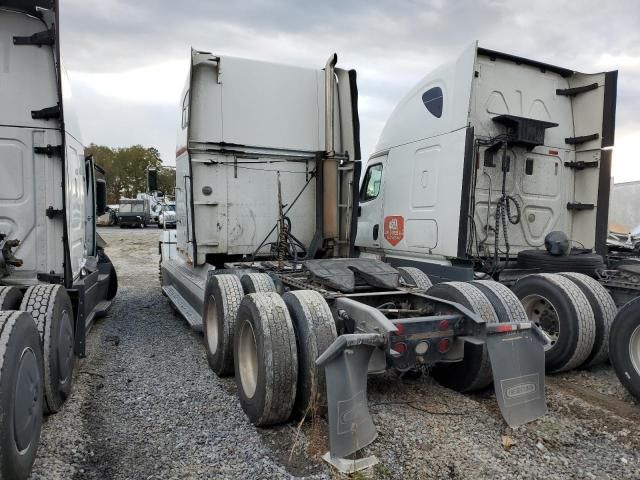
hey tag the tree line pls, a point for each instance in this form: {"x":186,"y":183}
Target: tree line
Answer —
{"x":125,"y":170}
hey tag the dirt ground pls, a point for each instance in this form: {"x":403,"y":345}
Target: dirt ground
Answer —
{"x":146,"y":406}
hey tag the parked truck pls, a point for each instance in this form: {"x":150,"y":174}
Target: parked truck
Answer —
{"x":134,"y":212}
{"x":497,"y":166}
{"x":55,"y":278}
{"x":263,"y":262}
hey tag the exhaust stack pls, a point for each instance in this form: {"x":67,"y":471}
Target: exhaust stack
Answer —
{"x":329,"y":164}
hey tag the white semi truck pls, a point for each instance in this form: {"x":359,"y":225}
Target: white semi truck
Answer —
{"x":54,"y":276}
{"x":479,"y":171}
{"x":262,"y":260}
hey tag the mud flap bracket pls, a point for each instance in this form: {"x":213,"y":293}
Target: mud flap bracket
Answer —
{"x":351,"y":428}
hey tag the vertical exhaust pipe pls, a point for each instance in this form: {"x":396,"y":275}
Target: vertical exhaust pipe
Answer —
{"x":329,"y":164}
{"x":328,"y":104}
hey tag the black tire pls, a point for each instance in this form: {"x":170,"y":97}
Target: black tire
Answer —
{"x":265,"y":358}
{"x":624,"y":346}
{"x":51,"y":308}
{"x":505,"y":303}
{"x":586,"y":263}
{"x":10,"y":298}
{"x":559,"y":307}
{"x":112,"y":289}
{"x":604,"y":311}
{"x":315,"y":332}
{"x":257,"y":282}
{"x":222,"y":297}
{"x":21,"y":394}
{"x":121,"y":226}
{"x":415,"y":276}
{"x":474,"y":371}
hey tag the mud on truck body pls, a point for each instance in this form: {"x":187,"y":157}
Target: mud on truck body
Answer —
{"x":54,"y":276}
{"x":496,"y":166}
{"x":262,"y":261}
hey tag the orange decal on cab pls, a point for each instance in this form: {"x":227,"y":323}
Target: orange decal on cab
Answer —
{"x":394,"y":229}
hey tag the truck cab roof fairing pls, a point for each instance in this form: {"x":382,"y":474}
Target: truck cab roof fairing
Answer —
{"x":412,"y":120}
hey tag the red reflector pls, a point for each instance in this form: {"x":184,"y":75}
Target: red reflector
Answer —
{"x":444,"y":325}
{"x":400,"y":328}
{"x":553,"y":152}
{"x":443,"y":345}
{"x":401,"y":348}
{"x":504,"y":328}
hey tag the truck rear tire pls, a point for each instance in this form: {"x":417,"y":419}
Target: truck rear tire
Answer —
{"x":604,"y":311}
{"x":474,"y":371}
{"x":266,"y":359}
{"x":315,"y":332}
{"x":257,"y":282}
{"x":52,"y":311}
{"x":558,"y":306}
{"x":506,"y":304}
{"x":624,"y":346}
{"x":415,"y":276}
{"x":223,"y":294}
{"x":21,"y":394}
{"x":10,"y":298}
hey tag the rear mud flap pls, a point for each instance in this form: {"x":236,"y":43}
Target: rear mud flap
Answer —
{"x":346,"y":364}
{"x":517,"y":361}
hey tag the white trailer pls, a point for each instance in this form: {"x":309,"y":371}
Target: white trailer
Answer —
{"x":54,"y":276}
{"x":479,"y":170}
{"x":262,"y":261}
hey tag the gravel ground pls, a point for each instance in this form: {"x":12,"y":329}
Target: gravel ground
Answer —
{"x":146,"y":406}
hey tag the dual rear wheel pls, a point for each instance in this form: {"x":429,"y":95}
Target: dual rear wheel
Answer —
{"x":575,"y":311}
{"x":21,"y":393}
{"x":36,"y":369}
{"x":270,"y":342}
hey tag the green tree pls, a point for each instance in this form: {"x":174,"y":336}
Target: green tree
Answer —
{"x":125,"y":169}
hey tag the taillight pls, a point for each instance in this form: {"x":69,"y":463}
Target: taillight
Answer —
{"x":400,"y":347}
{"x":400,"y":328}
{"x":443,"y":345}
{"x":504,"y":328}
{"x":444,"y":325}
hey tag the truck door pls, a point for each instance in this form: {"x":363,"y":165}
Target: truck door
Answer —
{"x":90,"y":207}
{"x":370,"y":222}
{"x":75,"y":192}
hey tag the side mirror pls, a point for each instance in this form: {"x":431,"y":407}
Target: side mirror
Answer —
{"x":101,"y":197}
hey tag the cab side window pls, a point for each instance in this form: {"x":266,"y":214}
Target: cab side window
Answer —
{"x":185,"y":110}
{"x":372,"y":183}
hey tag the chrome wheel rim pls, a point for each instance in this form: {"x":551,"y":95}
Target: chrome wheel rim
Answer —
{"x":542,"y":312}
{"x":212,"y":325}
{"x":248,"y":359}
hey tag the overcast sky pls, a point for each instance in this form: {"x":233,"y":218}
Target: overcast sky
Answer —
{"x":127,"y":59}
